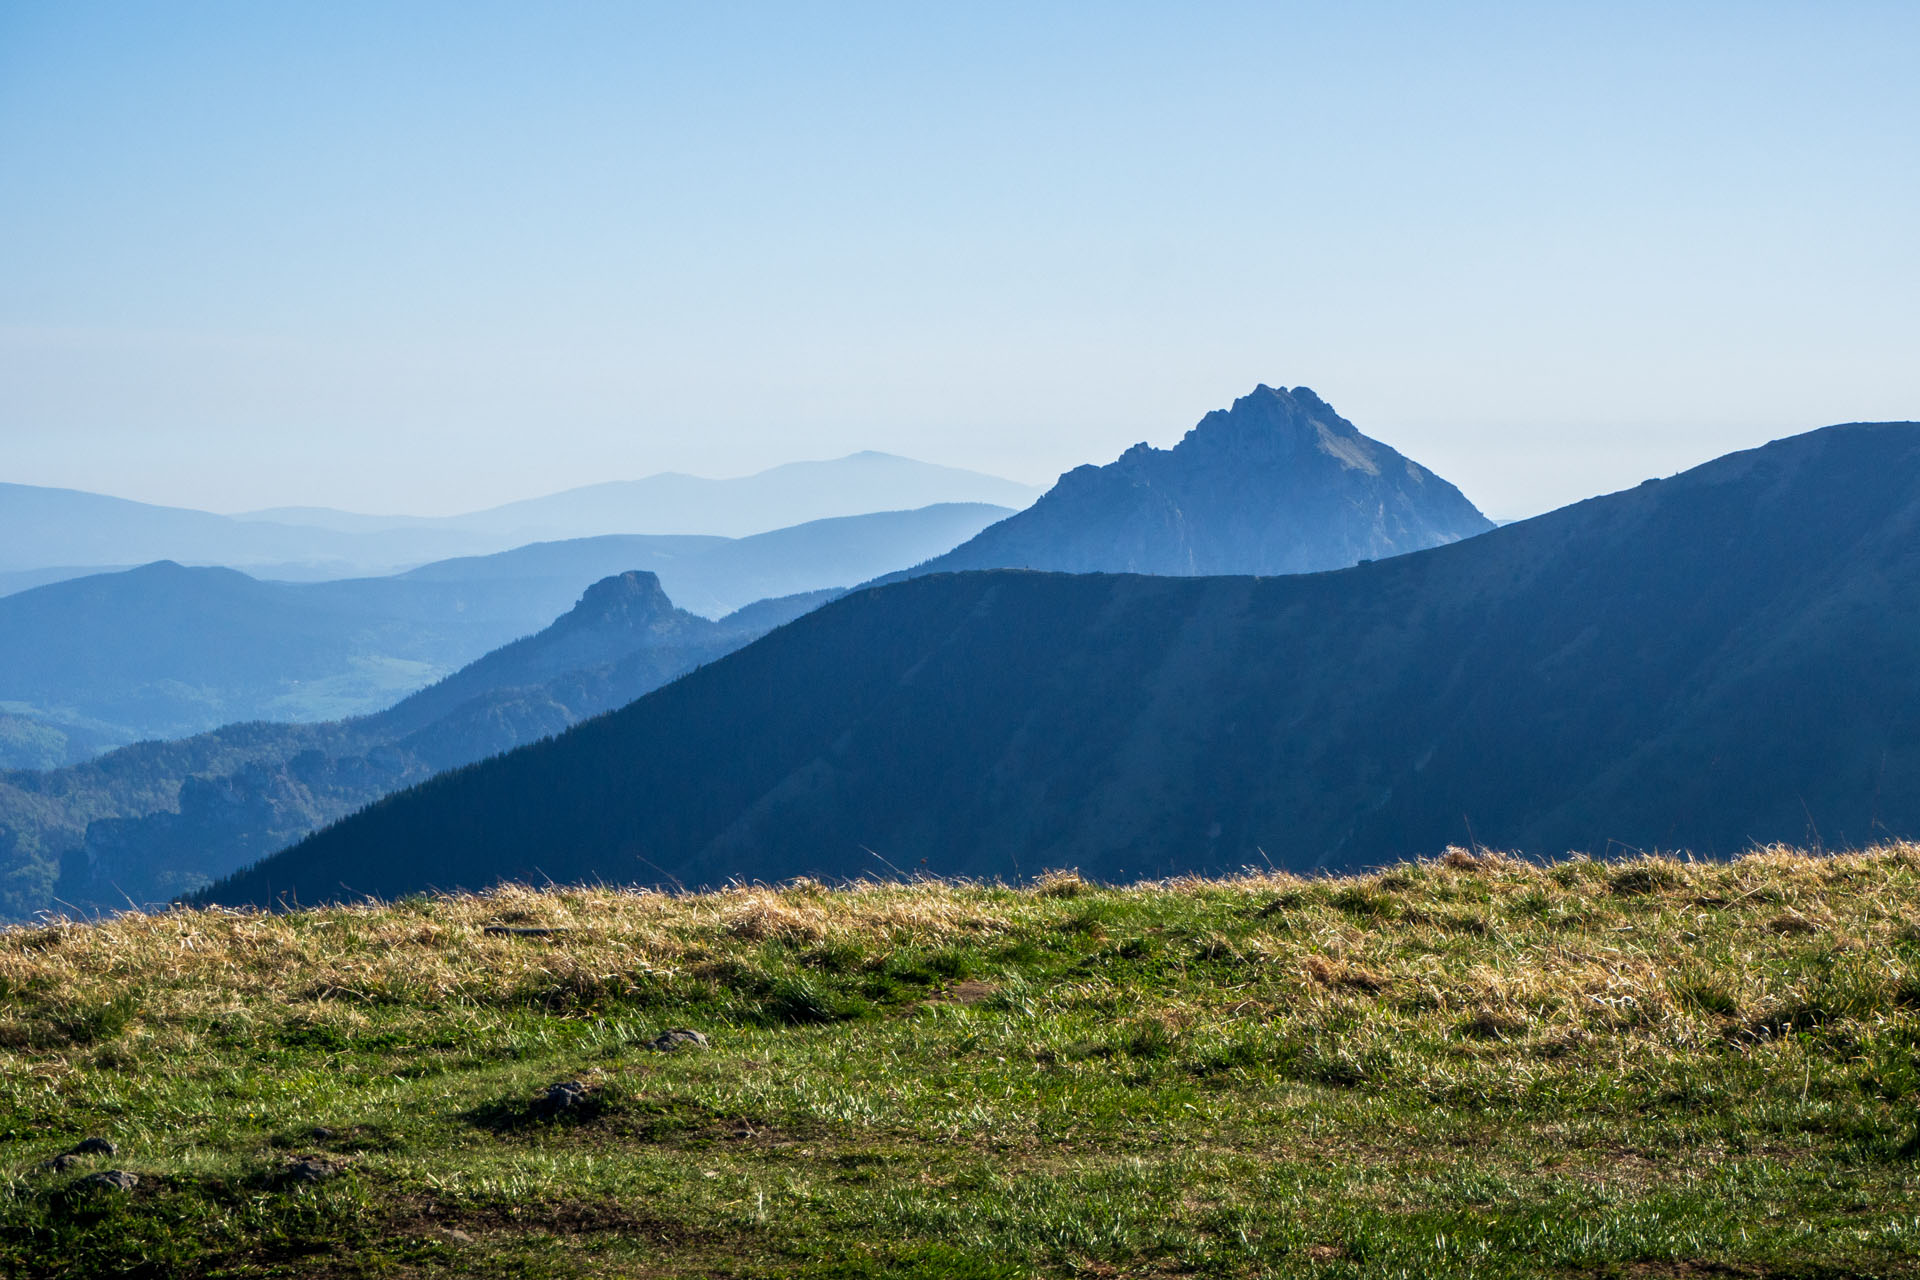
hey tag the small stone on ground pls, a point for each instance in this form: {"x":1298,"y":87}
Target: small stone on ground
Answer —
{"x":111,"y":1180}
{"x":567,"y":1095}
{"x":309,"y":1171}
{"x":678,"y":1038}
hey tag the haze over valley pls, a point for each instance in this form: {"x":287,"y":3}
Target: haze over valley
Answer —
{"x":48,"y":534}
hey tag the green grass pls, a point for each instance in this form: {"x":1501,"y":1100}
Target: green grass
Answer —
{"x":1467,"y":1067}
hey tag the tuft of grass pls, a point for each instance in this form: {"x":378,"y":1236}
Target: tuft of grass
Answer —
{"x":1470,"y":1065}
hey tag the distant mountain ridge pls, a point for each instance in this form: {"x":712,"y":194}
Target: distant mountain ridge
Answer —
{"x":1279,"y":483}
{"x":166,"y":650}
{"x":156,"y":819}
{"x":44,"y":529}
{"x":1707,"y":662}
{"x":790,"y":494}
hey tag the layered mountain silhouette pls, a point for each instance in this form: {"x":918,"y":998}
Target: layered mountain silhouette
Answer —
{"x":1707,"y":662}
{"x":47,"y":533}
{"x":69,"y":533}
{"x":715,"y":576}
{"x":156,"y":819}
{"x":794,"y":493}
{"x":166,"y":650}
{"x":1279,"y":483}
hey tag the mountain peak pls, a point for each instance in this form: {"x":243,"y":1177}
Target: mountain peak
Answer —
{"x":1278,"y":483}
{"x":633,"y":597}
{"x":1274,"y":417}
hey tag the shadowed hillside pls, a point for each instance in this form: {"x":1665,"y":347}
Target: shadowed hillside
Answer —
{"x":156,"y":819}
{"x":1706,"y":662}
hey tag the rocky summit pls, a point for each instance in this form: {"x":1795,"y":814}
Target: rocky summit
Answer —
{"x":1279,"y":483}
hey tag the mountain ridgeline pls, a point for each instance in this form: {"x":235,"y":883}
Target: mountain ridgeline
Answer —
{"x":167,"y":650}
{"x":87,"y":532}
{"x":156,"y":819}
{"x":1279,"y":483}
{"x":1706,"y":662}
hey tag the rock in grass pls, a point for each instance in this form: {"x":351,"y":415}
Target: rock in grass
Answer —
{"x":676,"y":1039}
{"x":557,"y":1099}
{"x":308,"y":1171}
{"x":110,"y":1180}
{"x":79,"y":1151}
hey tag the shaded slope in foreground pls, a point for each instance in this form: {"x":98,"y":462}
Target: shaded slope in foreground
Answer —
{"x":1708,"y":661}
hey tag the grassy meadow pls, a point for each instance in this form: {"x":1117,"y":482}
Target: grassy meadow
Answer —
{"x":1469,"y":1066}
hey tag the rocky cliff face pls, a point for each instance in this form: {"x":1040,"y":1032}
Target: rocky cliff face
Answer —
{"x":1279,"y":483}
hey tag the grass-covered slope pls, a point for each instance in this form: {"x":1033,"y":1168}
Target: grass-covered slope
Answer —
{"x":1461,"y":1067}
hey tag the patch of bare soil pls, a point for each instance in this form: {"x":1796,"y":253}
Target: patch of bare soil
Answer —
{"x":972,"y":991}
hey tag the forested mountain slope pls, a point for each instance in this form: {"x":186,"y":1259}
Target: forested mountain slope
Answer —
{"x":155,"y":819}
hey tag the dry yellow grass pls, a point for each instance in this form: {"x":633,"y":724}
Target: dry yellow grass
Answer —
{"x":1528,"y":951}
{"x":1263,"y":1075}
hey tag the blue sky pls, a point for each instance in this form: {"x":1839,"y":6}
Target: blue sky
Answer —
{"x":425,"y":257}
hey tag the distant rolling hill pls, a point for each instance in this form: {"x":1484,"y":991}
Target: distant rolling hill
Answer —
{"x":42,"y":527}
{"x":713,"y":576}
{"x":13,"y":580}
{"x":1279,"y":483}
{"x":1705,"y":662}
{"x":165,"y":650}
{"x":794,"y":493}
{"x":48,"y":534}
{"x":155,"y":819}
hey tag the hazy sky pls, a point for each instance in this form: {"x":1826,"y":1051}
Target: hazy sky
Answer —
{"x":425,"y":257}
